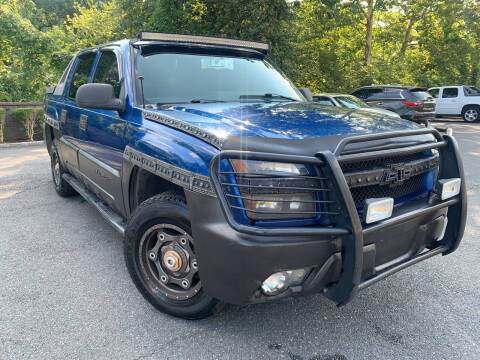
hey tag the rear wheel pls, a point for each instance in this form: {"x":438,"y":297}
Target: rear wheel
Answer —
{"x":160,"y":256}
{"x":471,"y":113}
{"x":62,"y":187}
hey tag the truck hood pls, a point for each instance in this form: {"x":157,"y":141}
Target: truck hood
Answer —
{"x":286,"y":120}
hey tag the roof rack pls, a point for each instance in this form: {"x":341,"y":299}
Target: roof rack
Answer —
{"x":198,"y":39}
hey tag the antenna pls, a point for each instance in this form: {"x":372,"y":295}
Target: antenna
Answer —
{"x":141,"y":88}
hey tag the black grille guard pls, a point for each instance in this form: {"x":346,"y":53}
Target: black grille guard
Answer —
{"x":349,"y":225}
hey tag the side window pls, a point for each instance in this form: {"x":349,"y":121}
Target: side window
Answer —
{"x":434,"y":92}
{"x":322,"y":100}
{"x":61,"y":83}
{"x":80,"y":77}
{"x":107,"y":71}
{"x":361,"y":94}
{"x":374,"y":94}
{"x":450,"y":93}
{"x":391,"y":93}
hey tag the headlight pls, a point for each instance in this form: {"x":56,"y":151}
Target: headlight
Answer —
{"x":254,"y":167}
{"x":272,"y":190}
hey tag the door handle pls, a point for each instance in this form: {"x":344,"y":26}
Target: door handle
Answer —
{"x":83,"y":123}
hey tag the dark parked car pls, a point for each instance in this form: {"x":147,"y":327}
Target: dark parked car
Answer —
{"x":412,"y":103}
{"x":349,"y":102}
{"x":228,"y":186}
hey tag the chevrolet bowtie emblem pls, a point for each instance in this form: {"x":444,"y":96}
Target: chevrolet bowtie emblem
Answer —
{"x":396,"y":174}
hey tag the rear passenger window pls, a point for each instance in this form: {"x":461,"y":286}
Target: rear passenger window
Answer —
{"x":392,"y":93}
{"x":373,"y":94}
{"x":107,"y":71}
{"x":450,"y":93}
{"x":61,"y":84}
{"x":80,"y":77}
{"x":361,"y":94}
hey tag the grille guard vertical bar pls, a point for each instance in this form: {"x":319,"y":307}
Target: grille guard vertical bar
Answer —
{"x":347,"y":286}
{"x":452,"y":167}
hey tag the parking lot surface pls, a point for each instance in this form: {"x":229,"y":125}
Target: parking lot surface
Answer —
{"x":65,"y":292}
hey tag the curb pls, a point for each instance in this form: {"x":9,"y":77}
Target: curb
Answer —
{"x":21,"y":144}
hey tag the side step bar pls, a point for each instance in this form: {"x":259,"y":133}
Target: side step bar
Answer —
{"x":114,"y":219}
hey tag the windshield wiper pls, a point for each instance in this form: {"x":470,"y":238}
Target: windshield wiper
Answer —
{"x":267,"y":96}
{"x":203,"y":101}
{"x":194,"y":101}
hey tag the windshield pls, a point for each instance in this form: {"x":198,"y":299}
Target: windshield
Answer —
{"x":182,"y":78}
{"x":351,"y":102}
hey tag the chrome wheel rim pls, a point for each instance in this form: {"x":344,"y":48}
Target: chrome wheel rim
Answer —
{"x":168,"y":263}
{"x":471,"y":115}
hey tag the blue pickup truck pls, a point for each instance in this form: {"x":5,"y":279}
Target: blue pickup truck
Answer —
{"x":229,"y":185}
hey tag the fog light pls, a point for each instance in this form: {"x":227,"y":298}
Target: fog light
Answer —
{"x":280,"y":281}
{"x":449,"y":187}
{"x":378,"y":209}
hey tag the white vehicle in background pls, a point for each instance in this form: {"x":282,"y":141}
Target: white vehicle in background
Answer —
{"x":350,"y":102}
{"x":460,"y":100}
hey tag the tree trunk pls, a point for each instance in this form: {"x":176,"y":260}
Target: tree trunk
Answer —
{"x":406,"y":38}
{"x":369,"y":31}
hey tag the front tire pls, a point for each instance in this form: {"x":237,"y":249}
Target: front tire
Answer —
{"x":62,"y":187}
{"x":160,"y":256}
{"x":471,"y":113}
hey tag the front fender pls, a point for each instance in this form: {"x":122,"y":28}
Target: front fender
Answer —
{"x":171,"y":154}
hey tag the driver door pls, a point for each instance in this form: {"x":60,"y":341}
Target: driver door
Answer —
{"x":104,"y":133}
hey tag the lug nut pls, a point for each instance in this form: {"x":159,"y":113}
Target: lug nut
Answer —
{"x":194,"y":265}
{"x":185,"y":284}
{"x":163,"y":278}
{"x":161,"y":237}
{"x":183,"y":241}
{"x":152,"y":255}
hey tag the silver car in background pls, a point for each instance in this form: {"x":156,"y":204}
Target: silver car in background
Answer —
{"x":350,"y":102}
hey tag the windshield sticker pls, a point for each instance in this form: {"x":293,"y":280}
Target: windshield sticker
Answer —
{"x":217,"y":63}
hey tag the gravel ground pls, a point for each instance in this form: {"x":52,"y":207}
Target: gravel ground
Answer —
{"x":65,"y":292}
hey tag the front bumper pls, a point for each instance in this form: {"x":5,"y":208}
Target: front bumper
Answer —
{"x":235,"y":259}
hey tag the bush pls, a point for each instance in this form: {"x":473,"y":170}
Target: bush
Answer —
{"x":29,"y":118}
{"x":2,"y":123}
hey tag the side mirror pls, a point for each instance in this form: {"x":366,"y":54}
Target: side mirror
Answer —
{"x":98,"y":96}
{"x":306,"y":93}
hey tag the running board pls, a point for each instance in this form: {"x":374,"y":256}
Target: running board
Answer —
{"x":113,"y":218}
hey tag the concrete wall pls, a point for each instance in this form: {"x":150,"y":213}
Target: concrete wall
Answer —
{"x":13,"y":129}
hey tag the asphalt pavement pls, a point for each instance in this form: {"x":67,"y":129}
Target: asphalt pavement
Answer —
{"x":65,"y":292}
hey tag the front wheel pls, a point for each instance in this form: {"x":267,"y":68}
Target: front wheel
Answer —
{"x":62,"y":187}
{"x":160,"y":256}
{"x":471,"y":114}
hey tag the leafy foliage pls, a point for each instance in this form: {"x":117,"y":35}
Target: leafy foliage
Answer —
{"x":327,"y":45}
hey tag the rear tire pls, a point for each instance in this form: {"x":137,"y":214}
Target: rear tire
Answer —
{"x":62,"y":187}
{"x":159,"y":254}
{"x":471,"y":113}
